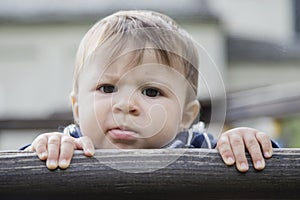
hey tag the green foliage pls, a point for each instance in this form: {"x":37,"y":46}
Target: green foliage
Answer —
{"x":291,"y":131}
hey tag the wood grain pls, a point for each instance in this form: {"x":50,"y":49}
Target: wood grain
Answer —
{"x":116,"y":174}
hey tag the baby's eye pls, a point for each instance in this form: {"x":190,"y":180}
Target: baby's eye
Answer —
{"x":151,"y":92}
{"x":107,"y":88}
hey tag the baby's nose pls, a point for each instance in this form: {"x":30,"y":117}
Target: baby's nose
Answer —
{"x":127,"y":106}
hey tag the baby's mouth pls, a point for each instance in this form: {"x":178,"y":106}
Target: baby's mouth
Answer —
{"x":122,"y":134}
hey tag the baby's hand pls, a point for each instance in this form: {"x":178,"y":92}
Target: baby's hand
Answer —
{"x":58,"y":148}
{"x":232,"y":144}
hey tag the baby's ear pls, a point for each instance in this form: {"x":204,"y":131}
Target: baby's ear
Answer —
{"x":189,"y":114}
{"x":74,"y":102}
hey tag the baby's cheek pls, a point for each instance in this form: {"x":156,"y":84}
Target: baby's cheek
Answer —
{"x":152,"y":121}
{"x":169,"y":133}
{"x":92,"y":127}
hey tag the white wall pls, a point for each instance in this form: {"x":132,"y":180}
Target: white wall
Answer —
{"x":258,"y":74}
{"x":15,"y":139}
{"x":36,"y":65}
{"x":260,"y":19}
{"x":210,"y":39}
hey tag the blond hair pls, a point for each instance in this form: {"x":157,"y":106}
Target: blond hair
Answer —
{"x":169,"y":41}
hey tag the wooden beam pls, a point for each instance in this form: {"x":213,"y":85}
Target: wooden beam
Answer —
{"x":116,"y":174}
{"x":34,"y":123}
{"x":272,"y":101}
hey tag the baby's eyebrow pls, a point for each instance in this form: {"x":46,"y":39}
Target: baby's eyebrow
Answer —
{"x":109,"y":76}
{"x":150,"y":80}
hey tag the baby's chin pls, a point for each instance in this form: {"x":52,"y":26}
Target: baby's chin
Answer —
{"x":137,"y":143}
{"x":118,"y":145}
{"x":125,"y":145}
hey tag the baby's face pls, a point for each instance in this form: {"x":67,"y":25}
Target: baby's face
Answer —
{"x":126,"y":107}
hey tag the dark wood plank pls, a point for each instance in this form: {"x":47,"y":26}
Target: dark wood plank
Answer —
{"x":23,"y":124}
{"x":114,"y":174}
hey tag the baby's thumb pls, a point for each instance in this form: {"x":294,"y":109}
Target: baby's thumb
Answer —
{"x":85,"y":143}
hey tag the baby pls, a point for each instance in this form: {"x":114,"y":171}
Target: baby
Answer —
{"x":135,"y":87}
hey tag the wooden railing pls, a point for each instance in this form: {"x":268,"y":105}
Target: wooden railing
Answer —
{"x":149,"y":174}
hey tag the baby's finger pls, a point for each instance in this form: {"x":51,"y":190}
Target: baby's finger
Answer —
{"x":254,"y":150}
{"x":265,"y":143}
{"x":67,"y":147}
{"x":86,"y":144}
{"x":224,"y":149}
{"x":39,"y":145}
{"x":237,"y":145}
{"x":53,"y":151}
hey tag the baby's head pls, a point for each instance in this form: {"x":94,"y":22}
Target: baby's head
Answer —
{"x":135,"y":81}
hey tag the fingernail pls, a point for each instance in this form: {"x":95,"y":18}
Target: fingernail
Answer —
{"x":63,"y":163}
{"x":267,"y":154}
{"x":91,"y":151}
{"x":44,"y":155}
{"x":52,"y":164}
{"x":229,"y":161}
{"x":259,"y":165}
{"x":244,"y":167}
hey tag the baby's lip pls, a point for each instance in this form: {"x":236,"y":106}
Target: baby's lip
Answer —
{"x":122,"y":133}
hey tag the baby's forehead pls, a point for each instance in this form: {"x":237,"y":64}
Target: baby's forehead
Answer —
{"x":127,"y":60}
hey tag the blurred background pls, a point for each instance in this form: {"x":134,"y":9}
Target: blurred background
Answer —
{"x":254,"y":43}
